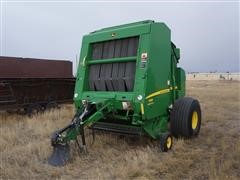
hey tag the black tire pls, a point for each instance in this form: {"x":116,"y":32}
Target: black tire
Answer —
{"x":33,"y":109}
{"x":51,"y":105}
{"x":166,"y":142}
{"x":37,"y":108}
{"x":185,"y":118}
{"x":28,"y":110}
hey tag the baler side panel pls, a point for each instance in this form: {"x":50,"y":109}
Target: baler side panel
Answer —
{"x":158,"y":72}
{"x":141,"y":74}
{"x":181,"y":79}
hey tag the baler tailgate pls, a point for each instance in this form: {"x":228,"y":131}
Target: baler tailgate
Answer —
{"x":113,"y":76}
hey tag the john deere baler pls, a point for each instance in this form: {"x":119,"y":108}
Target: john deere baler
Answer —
{"x":128,"y":82}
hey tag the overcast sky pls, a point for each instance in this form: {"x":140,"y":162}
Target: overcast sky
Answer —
{"x":207,"y":33}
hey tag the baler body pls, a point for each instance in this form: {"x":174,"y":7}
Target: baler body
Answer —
{"x":135,"y":67}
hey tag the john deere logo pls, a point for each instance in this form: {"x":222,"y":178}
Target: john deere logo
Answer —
{"x":113,"y":34}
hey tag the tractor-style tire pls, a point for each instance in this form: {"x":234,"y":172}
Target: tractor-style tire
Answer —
{"x":185,"y":118}
{"x":166,"y":142}
{"x":51,"y":105}
{"x":33,"y":109}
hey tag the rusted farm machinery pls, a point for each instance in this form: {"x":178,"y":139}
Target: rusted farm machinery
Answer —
{"x":33,"y":85}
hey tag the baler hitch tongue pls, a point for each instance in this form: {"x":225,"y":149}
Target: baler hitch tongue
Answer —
{"x":61,"y":149}
{"x":60,"y":138}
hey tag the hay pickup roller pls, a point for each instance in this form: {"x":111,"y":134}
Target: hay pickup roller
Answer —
{"x":128,"y":82}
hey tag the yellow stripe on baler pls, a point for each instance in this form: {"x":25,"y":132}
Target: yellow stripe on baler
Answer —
{"x":162,"y":91}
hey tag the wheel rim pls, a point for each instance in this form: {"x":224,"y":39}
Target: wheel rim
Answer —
{"x":169,"y":142}
{"x":194,"y":120}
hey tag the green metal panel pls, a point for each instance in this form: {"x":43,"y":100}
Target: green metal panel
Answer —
{"x":113,"y":33}
{"x":181,"y":79}
{"x":158,"y":71}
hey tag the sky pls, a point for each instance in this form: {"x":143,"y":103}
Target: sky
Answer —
{"x":206,"y":32}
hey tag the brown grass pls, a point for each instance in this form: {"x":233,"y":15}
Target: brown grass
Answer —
{"x":215,"y":154}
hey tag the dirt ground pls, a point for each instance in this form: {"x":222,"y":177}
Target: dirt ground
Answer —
{"x":215,"y":154}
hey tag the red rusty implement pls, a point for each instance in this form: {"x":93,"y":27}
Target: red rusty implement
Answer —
{"x":17,"y":67}
{"x":27,"y":83}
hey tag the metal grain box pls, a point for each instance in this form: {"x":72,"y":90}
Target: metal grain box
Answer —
{"x":17,"y":67}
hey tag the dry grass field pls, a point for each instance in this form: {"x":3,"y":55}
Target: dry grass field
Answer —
{"x":215,"y":154}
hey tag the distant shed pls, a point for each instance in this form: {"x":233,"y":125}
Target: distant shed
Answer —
{"x":213,"y":76}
